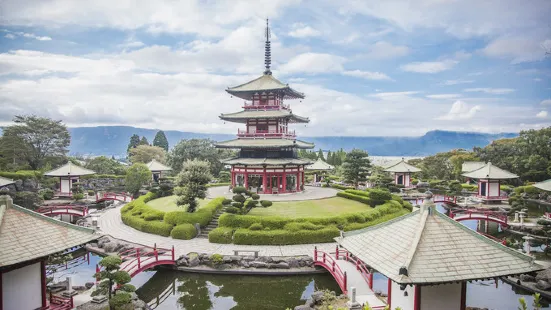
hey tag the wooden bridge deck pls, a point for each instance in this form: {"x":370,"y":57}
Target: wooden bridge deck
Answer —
{"x":364,"y":294}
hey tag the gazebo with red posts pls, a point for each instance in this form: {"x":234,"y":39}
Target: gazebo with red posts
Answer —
{"x":267,"y":160}
{"x":402,"y":172}
{"x":157,"y":169}
{"x":68,"y":174}
{"x":428,"y":258}
{"x":489,"y":180}
{"x":27,"y":239}
{"x":321,"y":167}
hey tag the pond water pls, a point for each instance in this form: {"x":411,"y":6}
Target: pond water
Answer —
{"x":167,"y":289}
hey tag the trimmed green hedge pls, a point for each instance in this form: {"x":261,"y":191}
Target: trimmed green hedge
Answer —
{"x":218,"y":184}
{"x":203,"y":215}
{"x":355,"y":197}
{"x":281,"y":237}
{"x":341,"y":187}
{"x":21,"y":175}
{"x":103,"y":176}
{"x":221,"y":235}
{"x":184,"y":231}
{"x":379,"y":220}
{"x":142,"y":217}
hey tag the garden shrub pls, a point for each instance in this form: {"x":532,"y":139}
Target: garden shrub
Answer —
{"x":255,"y":196}
{"x":296,"y":226}
{"x":358,"y":198}
{"x":91,"y":193}
{"x":233,"y":210}
{"x":46,"y":194}
{"x":283,"y":237}
{"x":256,"y":226}
{"x":237,"y":205}
{"x":379,"y":196}
{"x":266,"y":203}
{"x":469,"y":187}
{"x":22,"y":175}
{"x":251,"y":204}
{"x":121,"y":300}
{"x":203,"y":215}
{"x":239,"y":190}
{"x":218,"y":184}
{"x":153,"y":215}
{"x":221,"y":235}
{"x":217,"y":259}
{"x":239,"y":198}
{"x":28,"y":200}
{"x":226,"y":202}
{"x":341,"y":187}
{"x":184,"y":231}
{"x":407,"y":205}
{"x":78,"y":196}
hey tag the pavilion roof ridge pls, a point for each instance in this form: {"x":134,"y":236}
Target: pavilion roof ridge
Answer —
{"x":5,"y":181}
{"x":544,"y":185}
{"x":69,"y":169}
{"x":489,"y":171}
{"x":402,"y":166}
{"x":424,"y":213}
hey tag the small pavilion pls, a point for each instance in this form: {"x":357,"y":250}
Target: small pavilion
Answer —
{"x":157,"y":169}
{"x":544,"y":185}
{"x":489,"y":180}
{"x":68,"y":174}
{"x":319,"y":166}
{"x":402,"y":172}
{"x":5,"y":182}
{"x":27,"y":239}
{"x":428,"y":258}
{"x":469,"y":166}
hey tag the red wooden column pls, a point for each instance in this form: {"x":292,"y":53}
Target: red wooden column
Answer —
{"x":463,"y":296}
{"x":264,"y":181}
{"x":302,"y":182}
{"x":389,"y":294}
{"x":246,"y":182}
{"x":43,"y":281}
{"x":417,"y":298}
{"x":232,"y":177}
{"x":284,"y":180}
{"x":298,"y":181}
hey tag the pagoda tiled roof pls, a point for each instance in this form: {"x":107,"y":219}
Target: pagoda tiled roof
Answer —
{"x":264,"y":143}
{"x":265,"y":83}
{"x":26,"y":235}
{"x":69,"y":169}
{"x":401,"y":166}
{"x":154,"y":165}
{"x":469,"y":166}
{"x":266,"y":161}
{"x":427,"y":247}
{"x":243,"y":116}
{"x":319,"y":165}
{"x":490,"y":171}
{"x":544,"y":185}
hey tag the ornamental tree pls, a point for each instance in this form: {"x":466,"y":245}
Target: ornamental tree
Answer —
{"x":160,"y":140}
{"x":111,"y":275}
{"x":146,"y":153}
{"x":192,"y":183}
{"x":143,"y":141}
{"x":356,"y":167}
{"x":136,"y":176}
{"x":134,"y":142}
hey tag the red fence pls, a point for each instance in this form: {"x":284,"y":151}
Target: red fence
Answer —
{"x":136,"y":260}
{"x":101,"y":196}
{"x":495,"y":216}
{"x":445,"y":199}
{"x":67,"y":209}
{"x":362,"y":267}
{"x":59,"y":303}
{"x":327,"y":261}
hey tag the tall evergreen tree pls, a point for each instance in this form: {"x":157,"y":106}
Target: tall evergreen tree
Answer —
{"x":144,"y":141}
{"x":329,"y":158}
{"x":356,"y":166}
{"x":320,"y":155}
{"x":134,"y":142}
{"x":160,"y":140}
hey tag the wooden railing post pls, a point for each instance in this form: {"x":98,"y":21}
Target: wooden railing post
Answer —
{"x":345,"y":282}
{"x":371,"y":280}
{"x":337,"y":252}
{"x":97,"y":272}
{"x":156,"y":255}
{"x":324,"y":257}
{"x":333,"y":265}
{"x":173,"y":253}
{"x":315,"y":253}
{"x":138,"y":255}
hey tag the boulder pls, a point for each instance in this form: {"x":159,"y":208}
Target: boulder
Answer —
{"x":227,"y":259}
{"x":248,"y":258}
{"x":182,"y":261}
{"x":93,"y":244}
{"x":544,"y":275}
{"x":281,"y":265}
{"x":257,"y":264}
{"x":301,"y":263}
{"x":89,"y":285}
{"x":79,"y":287}
{"x":303,"y":307}
{"x":543,"y":285}
{"x":30,"y":185}
{"x":235,"y":258}
{"x":139,"y":304}
{"x":103,"y":241}
{"x":110,"y":247}
{"x":194,"y":261}
{"x":224,"y":266}
{"x":265,"y":259}
{"x":317,"y":297}
{"x":527,"y":278}
{"x":293,"y":262}
{"x":244,"y":264}
{"x":19,"y":185}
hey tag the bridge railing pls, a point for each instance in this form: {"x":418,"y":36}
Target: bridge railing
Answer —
{"x":113,"y":196}
{"x":362,"y":267}
{"x":480,"y":214}
{"x":444,"y":198}
{"x":59,"y":303}
{"x":136,"y":259}
{"x":327,"y":261}
{"x":81,"y":210}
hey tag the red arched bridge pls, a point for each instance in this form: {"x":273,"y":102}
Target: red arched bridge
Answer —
{"x":349,"y":271}
{"x":486,"y":215}
{"x":106,"y":196}
{"x":67,"y":209}
{"x":136,"y":260}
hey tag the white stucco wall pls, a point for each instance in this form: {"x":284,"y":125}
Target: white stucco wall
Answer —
{"x":272,"y":127}
{"x":493,"y":189}
{"x":399,"y":300}
{"x":22,"y":288}
{"x":252,"y":129}
{"x":407,"y":181}
{"x":65,"y":185}
{"x":438,"y":297}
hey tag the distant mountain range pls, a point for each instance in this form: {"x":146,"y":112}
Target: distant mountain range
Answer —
{"x":113,"y":140}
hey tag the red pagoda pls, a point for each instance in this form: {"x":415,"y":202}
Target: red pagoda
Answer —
{"x":267,"y":160}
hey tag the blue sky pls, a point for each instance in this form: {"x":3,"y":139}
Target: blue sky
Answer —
{"x":368,"y":68}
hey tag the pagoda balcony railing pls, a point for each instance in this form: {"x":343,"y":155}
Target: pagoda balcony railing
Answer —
{"x":270,"y":106}
{"x":265,"y":134}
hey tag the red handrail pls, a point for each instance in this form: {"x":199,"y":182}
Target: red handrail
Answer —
{"x":483,"y":214}
{"x":50,"y":209}
{"x":364,"y":269}
{"x":328,"y":262}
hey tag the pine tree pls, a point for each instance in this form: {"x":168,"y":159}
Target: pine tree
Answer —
{"x":329,"y":157}
{"x":134,"y":141}
{"x":160,"y":140}
{"x":320,"y":155}
{"x":144,"y":141}
{"x":355,"y":167}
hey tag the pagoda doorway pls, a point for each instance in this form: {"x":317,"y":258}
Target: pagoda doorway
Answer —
{"x":400,"y":180}
{"x":274,"y":184}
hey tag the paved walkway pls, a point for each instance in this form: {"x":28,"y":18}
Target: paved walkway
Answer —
{"x":364,"y":295}
{"x":110,"y":223}
{"x":309,"y":193}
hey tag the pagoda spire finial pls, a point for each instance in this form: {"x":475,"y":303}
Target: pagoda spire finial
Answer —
{"x":267,"y":51}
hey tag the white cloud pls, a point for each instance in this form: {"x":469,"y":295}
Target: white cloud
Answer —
{"x":456,"y":82}
{"x":313,"y":63}
{"x":519,"y":49}
{"x":367,"y":75}
{"x":460,"y":110}
{"x":542,"y":114}
{"x":494,"y":91}
{"x":546,"y":102}
{"x":9,"y":36}
{"x":444,"y":96}
{"x":429,"y":66}
{"x":303,"y":31}
{"x":384,"y":95}
{"x":34,"y":36}
{"x":384,"y":50}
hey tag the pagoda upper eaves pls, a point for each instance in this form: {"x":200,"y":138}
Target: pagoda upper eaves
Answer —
{"x":267,"y":83}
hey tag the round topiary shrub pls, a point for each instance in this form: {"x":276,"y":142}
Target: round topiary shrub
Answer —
{"x":47,"y":194}
{"x":233,"y":210}
{"x":238,"y":205}
{"x":239,"y":190}
{"x":184,"y":232}
{"x":251,"y":204}
{"x":226,"y":202}
{"x":266,"y":203}
{"x":256,"y":226}
{"x":239,"y":198}
{"x":255,"y":196}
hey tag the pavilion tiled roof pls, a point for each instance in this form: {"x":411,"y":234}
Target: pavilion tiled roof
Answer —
{"x":545,"y":185}
{"x":427,"y":247}
{"x":243,"y":116}
{"x":26,"y":235}
{"x":264,"y":84}
{"x":266,"y":161}
{"x":264,"y":143}
{"x":5,"y":181}
{"x":490,"y":171}
{"x":69,"y":169}
{"x":469,"y":166}
{"x":319,"y":165}
{"x":154,"y":165}
{"x":402,"y":166}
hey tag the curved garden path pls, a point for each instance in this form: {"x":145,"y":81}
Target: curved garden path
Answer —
{"x":310,"y":193}
{"x":110,"y":223}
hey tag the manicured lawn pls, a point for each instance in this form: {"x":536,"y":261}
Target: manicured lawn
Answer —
{"x":168,"y":204}
{"x":312,"y":208}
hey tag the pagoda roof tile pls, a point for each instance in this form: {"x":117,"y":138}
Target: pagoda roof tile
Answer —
{"x":266,"y":161}
{"x":243,"y":116}
{"x":489,"y":171}
{"x":264,"y":83}
{"x":69,"y":169}
{"x":401,"y":166}
{"x":264,"y":143}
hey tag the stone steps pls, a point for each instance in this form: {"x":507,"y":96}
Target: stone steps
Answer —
{"x":212,"y":224}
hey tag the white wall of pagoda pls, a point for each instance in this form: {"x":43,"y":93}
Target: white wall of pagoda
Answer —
{"x":450,"y":296}
{"x":405,"y":299}
{"x":22,"y":288}
{"x":402,"y":178}
{"x":489,"y":189}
